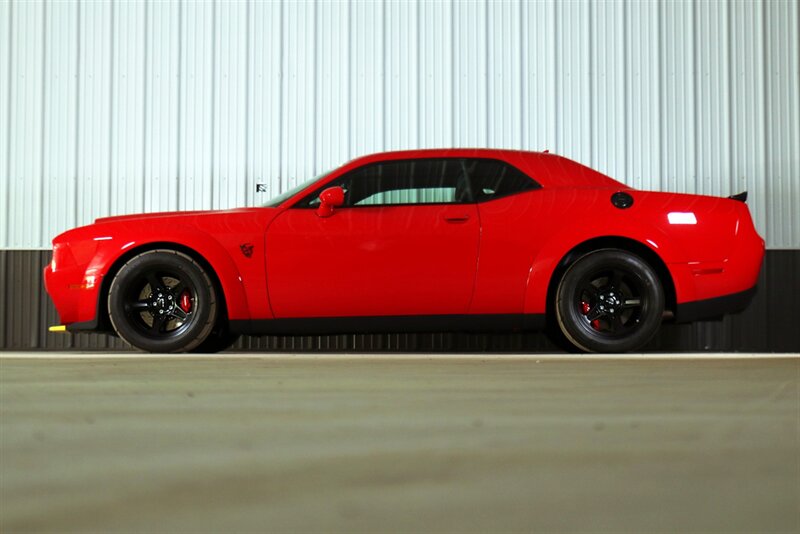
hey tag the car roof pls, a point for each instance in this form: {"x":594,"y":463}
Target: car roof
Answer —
{"x":548,"y":169}
{"x":497,"y":153}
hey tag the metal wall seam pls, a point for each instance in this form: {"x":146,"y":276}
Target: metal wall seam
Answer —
{"x":196,"y":127}
{"x":607,"y":48}
{"x":403,"y":83}
{"x":94,"y":112}
{"x":783,"y":123}
{"x":747,"y":107}
{"x":643,"y":167}
{"x":435,"y":74}
{"x":678,"y":148}
{"x":539,"y":76}
{"x":332,"y":83}
{"x":6,"y":55}
{"x":505,"y":75}
{"x":230,"y":106}
{"x":127,"y":100}
{"x":161,"y":111}
{"x":25,"y":115}
{"x":265,"y":110}
{"x":297,"y":137}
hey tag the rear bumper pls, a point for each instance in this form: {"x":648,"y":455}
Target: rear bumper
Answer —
{"x":714,"y":308}
{"x":710,"y":287}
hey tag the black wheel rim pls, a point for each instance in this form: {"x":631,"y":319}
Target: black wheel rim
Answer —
{"x":160,"y":303}
{"x":612,"y":302}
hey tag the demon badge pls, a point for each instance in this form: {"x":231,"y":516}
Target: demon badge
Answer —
{"x":247,"y":249}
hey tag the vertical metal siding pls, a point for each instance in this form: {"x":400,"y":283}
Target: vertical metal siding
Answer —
{"x":678,"y":142}
{"x":25,"y":112}
{"x":783,"y":124}
{"x":120,"y":107}
{"x":403,"y":80}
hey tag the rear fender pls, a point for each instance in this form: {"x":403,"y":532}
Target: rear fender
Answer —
{"x":556,"y":249}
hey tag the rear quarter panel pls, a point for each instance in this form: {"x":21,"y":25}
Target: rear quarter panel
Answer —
{"x":561,"y":219}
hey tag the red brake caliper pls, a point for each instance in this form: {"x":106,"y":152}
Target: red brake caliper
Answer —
{"x":585,"y":307}
{"x":186,"y":301}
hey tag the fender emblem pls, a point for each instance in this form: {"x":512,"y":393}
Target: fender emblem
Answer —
{"x":247,"y":249}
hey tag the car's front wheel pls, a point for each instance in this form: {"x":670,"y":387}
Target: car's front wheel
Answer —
{"x":162,"y":301}
{"x":609,"y":300}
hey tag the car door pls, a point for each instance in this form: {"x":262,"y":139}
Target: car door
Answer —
{"x":514,"y":224}
{"x":405,"y":242}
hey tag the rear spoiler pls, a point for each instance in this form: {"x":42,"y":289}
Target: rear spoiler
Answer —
{"x":741,"y":197}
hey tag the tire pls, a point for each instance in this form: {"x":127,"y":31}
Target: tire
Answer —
{"x":609,"y":300}
{"x":162,"y":301}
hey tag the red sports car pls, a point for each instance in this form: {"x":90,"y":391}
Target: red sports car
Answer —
{"x":424,"y":240}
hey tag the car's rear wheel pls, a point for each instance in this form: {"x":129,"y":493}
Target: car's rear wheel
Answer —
{"x":162,"y":301}
{"x":609,"y":300}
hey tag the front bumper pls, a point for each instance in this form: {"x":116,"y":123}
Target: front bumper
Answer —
{"x":75,"y":295}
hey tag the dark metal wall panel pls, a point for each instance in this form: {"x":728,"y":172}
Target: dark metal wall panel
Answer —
{"x":768,"y":325}
{"x":26,"y":310}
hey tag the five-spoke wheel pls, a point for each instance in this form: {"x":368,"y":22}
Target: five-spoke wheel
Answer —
{"x":609,"y":301}
{"x":162,"y":301}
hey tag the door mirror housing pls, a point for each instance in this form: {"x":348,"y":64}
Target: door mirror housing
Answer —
{"x":330,"y":198}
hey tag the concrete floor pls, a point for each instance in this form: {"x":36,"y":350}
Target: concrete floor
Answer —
{"x":397,"y":443}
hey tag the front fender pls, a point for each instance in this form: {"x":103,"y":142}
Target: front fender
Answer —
{"x":230,"y":278}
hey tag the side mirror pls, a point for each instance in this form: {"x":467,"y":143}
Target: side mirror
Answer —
{"x":330,"y":198}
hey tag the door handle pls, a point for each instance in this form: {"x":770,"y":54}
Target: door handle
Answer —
{"x":454,"y":219}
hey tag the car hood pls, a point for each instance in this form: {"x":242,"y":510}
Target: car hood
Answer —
{"x":173,"y":215}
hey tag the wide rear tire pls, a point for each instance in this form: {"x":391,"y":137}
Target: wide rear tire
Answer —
{"x":609,"y":300}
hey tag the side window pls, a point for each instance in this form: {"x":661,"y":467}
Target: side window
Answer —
{"x":493,"y":179}
{"x":421,"y":181}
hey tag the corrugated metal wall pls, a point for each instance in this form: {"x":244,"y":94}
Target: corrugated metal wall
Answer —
{"x":110,"y":107}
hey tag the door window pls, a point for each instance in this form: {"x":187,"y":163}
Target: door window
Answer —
{"x":427,"y":181}
{"x":391,"y":183}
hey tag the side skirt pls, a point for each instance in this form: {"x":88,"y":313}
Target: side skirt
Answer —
{"x":390,"y":324}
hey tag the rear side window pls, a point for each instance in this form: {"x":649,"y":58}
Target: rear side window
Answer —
{"x":493,"y":179}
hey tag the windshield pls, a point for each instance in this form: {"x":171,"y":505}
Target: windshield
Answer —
{"x":274,"y":202}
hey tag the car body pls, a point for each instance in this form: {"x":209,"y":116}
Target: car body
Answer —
{"x":423,"y":240}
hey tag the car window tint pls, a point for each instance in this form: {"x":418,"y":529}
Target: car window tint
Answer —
{"x":427,"y":181}
{"x":493,"y":179}
{"x":421,"y":181}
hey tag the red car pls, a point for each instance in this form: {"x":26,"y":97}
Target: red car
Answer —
{"x":424,"y":240}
